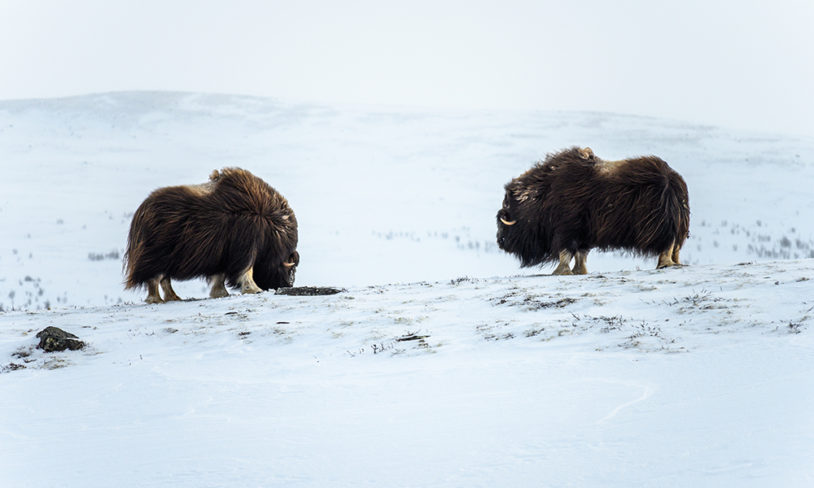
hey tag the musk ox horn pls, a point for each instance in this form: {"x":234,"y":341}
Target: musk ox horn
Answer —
{"x":289,"y":264}
{"x":506,"y":222}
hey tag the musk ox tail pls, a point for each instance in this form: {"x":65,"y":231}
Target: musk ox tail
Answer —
{"x":132,"y":253}
{"x":142,"y":238}
{"x":676,"y":205}
{"x":665,"y":204}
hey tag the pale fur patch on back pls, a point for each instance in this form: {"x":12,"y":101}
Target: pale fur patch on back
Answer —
{"x":202,"y":189}
{"x":609,"y":167}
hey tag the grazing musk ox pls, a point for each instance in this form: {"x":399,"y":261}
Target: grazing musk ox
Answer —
{"x":234,"y":230}
{"x":574,"y":202}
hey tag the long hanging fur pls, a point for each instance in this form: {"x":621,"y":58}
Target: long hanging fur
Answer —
{"x":574,"y":201}
{"x":226,"y":225}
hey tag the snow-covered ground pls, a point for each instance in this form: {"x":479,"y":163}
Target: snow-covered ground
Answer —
{"x":443,"y":364}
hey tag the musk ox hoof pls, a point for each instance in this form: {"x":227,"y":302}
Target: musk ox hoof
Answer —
{"x":562,"y":272}
{"x":250,"y":289}
{"x":218,"y":294}
{"x":152,"y":300}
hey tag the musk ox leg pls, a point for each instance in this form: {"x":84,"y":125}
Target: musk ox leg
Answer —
{"x":169,"y":293}
{"x":579,"y":263}
{"x":676,"y":261}
{"x":152,"y":292}
{"x":666,"y":258}
{"x":218,"y":287}
{"x":247,"y":284}
{"x":565,"y":264}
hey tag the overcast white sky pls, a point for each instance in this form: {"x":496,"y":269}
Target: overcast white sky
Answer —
{"x":743,"y":64}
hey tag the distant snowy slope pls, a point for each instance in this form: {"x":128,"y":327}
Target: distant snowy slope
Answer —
{"x":382,"y":194}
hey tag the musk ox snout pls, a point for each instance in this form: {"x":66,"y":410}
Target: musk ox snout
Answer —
{"x":503,"y":222}
{"x":234,"y":230}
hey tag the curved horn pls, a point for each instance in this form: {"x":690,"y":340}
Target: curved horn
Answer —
{"x":506,"y":222}
{"x":288,"y":264}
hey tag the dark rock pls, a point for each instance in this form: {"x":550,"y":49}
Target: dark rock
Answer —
{"x":54,"y":339}
{"x":309,"y":291}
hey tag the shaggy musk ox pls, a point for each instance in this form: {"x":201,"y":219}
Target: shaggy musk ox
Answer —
{"x":234,"y":230}
{"x":574,"y":202}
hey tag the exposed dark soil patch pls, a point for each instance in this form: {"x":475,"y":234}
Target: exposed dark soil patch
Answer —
{"x":309,"y":291}
{"x":533,"y":302}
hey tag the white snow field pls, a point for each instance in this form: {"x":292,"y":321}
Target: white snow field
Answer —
{"x":442,"y":363}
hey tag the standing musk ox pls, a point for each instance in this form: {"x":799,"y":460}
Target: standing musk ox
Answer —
{"x":234,"y":230}
{"x":574,"y":202}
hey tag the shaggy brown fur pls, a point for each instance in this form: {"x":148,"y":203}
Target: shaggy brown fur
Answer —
{"x":234,"y":229}
{"x":574,"y":202}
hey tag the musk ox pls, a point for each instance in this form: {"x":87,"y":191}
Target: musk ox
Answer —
{"x":235,"y":230}
{"x":574,"y":202}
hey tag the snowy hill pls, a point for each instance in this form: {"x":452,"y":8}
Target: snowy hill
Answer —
{"x":382,"y":195}
{"x":443,"y":363}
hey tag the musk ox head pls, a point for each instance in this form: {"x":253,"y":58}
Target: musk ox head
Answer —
{"x":280,"y":275}
{"x":518,"y":230}
{"x":524,"y":221}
